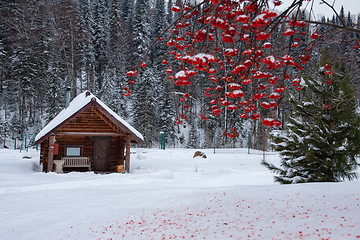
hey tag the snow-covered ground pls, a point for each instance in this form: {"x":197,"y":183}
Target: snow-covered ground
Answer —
{"x":171,"y":195}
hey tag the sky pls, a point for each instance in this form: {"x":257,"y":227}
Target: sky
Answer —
{"x":321,"y":9}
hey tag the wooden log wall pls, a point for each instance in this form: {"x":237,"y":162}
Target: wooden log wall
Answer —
{"x":91,"y":120}
{"x":117,"y":156}
{"x":87,"y":143}
{"x":44,"y":151}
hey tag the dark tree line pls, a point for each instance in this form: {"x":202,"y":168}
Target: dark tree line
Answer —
{"x":46,"y":46}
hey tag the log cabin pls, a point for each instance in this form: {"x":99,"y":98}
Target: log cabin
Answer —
{"x":87,"y":136}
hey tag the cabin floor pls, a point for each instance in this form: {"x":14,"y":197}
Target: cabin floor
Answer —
{"x":75,"y":169}
{"x":85,"y":169}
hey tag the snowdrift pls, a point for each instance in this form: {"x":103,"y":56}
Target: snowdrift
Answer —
{"x":171,"y":195}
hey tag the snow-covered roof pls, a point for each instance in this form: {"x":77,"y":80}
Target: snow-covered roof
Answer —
{"x":76,"y":106}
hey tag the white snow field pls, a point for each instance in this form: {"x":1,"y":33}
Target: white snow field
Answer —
{"x":171,"y":195}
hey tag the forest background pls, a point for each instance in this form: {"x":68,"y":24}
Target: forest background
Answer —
{"x":48,"y":46}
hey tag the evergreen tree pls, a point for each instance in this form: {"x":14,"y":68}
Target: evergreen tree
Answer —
{"x":60,"y":56}
{"x":101,"y":47}
{"x":5,"y":131}
{"x":119,"y":44}
{"x":322,"y":136}
{"x":127,"y":13}
{"x":126,"y":10}
{"x":333,"y":21}
{"x":162,"y":86}
{"x":26,"y":62}
{"x":86,"y":50}
{"x":169,"y":15}
{"x":43,"y":52}
{"x":209,"y":130}
{"x":3,"y":96}
{"x":141,"y":30}
{"x":159,"y":49}
{"x":342,"y":14}
{"x":166,"y":116}
{"x":193,"y":140}
{"x":143,"y":110}
{"x":349,"y":22}
{"x":55,"y":87}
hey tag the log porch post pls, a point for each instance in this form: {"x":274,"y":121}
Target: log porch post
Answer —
{"x":50,"y":162}
{"x":127,"y":156}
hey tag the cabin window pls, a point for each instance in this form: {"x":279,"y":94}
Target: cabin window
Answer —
{"x":73,"y":151}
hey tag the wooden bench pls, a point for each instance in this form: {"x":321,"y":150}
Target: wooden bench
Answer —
{"x":76,"y":162}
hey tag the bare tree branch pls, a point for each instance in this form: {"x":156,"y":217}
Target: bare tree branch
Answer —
{"x":342,"y":28}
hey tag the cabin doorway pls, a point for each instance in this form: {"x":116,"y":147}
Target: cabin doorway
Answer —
{"x":101,"y":154}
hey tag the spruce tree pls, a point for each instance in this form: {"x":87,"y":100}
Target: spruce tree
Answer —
{"x":55,"y":88}
{"x":119,"y":44}
{"x":169,"y":16}
{"x":86,"y":51}
{"x":193,"y":140}
{"x":141,"y":30}
{"x":101,"y":46}
{"x":126,"y":9}
{"x":162,"y":86}
{"x":322,"y":136}
{"x":143,"y":109}
{"x":166,"y":115}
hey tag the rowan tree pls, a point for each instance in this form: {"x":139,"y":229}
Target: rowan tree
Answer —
{"x":231,"y":42}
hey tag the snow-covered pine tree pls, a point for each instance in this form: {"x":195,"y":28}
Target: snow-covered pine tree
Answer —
{"x":119,"y":45}
{"x":86,"y":50}
{"x":166,"y":113}
{"x":127,"y":13}
{"x":162,"y":86}
{"x":55,"y":87}
{"x":5,"y":131}
{"x":140,"y":30}
{"x":25,"y":61}
{"x":101,"y":46}
{"x":193,"y":139}
{"x":158,"y":51}
{"x":209,"y":126}
{"x":342,"y":14}
{"x":126,"y":10}
{"x":4,"y":94}
{"x":322,"y":136}
{"x":2,"y":50}
{"x":143,"y":110}
{"x":169,"y":14}
{"x":144,"y":114}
